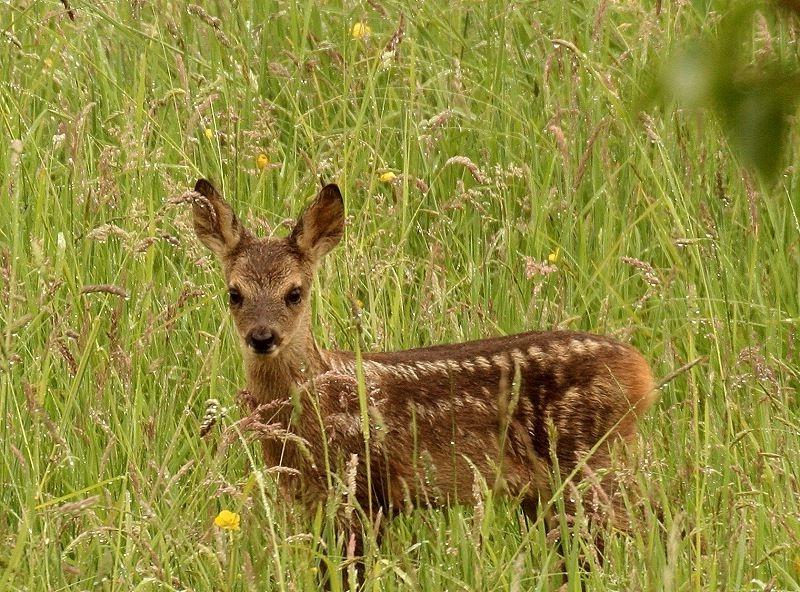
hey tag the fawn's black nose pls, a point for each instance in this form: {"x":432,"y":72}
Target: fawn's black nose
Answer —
{"x":262,"y":341}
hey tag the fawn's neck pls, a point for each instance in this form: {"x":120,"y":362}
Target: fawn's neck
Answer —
{"x":273,"y":378}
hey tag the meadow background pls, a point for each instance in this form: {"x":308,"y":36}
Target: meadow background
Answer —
{"x":531,"y":186}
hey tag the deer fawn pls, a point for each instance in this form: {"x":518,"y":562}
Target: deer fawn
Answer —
{"x":507,"y":408}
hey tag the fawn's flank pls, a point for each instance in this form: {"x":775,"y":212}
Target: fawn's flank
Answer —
{"x":509,"y":408}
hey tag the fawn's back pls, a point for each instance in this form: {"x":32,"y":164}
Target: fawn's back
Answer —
{"x":465,"y":401}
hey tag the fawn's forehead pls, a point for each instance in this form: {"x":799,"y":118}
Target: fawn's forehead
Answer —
{"x":267,"y":262}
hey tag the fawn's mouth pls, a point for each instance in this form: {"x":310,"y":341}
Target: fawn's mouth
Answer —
{"x":267,"y":351}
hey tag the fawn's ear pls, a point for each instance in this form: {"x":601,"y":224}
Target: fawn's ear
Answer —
{"x":214,"y":221}
{"x":320,"y":227}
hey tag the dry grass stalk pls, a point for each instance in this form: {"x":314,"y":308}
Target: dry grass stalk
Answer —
{"x":378,"y":7}
{"x":103,"y":232}
{"x":62,"y":348}
{"x":211,"y":21}
{"x":20,"y":458}
{"x":752,"y":202}
{"x":437,"y":120}
{"x":685,"y":368}
{"x":34,"y":408}
{"x":68,"y":9}
{"x":397,"y":37}
{"x":78,"y":506}
{"x":166,"y":318}
{"x":210,"y":417}
{"x":471,"y":167}
{"x":535,"y":268}
{"x":105,"y":289}
{"x":561,"y":140}
{"x":648,"y":273}
{"x":597,"y":25}
{"x":587,"y":153}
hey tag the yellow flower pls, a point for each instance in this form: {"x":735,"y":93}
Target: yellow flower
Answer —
{"x":360,"y":31}
{"x":262,"y":160}
{"x":553,"y":257}
{"x":209,"y":133}
{"x":387,"y":177}
{"x":227,"y":520}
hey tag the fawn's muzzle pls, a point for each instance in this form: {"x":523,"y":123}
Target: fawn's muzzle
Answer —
{"x":263,"y":341}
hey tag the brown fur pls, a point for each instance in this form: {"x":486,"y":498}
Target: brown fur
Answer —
{"x":497,"y":407}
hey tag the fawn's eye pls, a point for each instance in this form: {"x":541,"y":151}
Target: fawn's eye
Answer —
{"x":294,"y":296}
{"x":235,"y":297}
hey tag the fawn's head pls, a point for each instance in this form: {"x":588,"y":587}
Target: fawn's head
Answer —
{"x":268,"y":280}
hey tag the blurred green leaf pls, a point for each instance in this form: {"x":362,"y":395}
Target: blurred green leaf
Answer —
{"x":756,"y":118}
{"x":754,"y":102}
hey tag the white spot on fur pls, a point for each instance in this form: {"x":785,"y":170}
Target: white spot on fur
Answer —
{"x":558,"y":351}
{"x":535,"y":353}
{"x":467,"y":366}
{"x":591,"y":345}
{"x":408,"y":371}
{"x":519,"y":358}
{"x":501,"y":361}
{"x":572,"y":398}
{"x":421,"y":411}
{"x":439,"y":367}
{"x":483,"y":363}
{"x":423,"y":367}
{"x":477,"y":404}
{"x":577,"y":347}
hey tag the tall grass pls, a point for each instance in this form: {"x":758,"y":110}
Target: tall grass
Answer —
{"x":657,"y":236}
